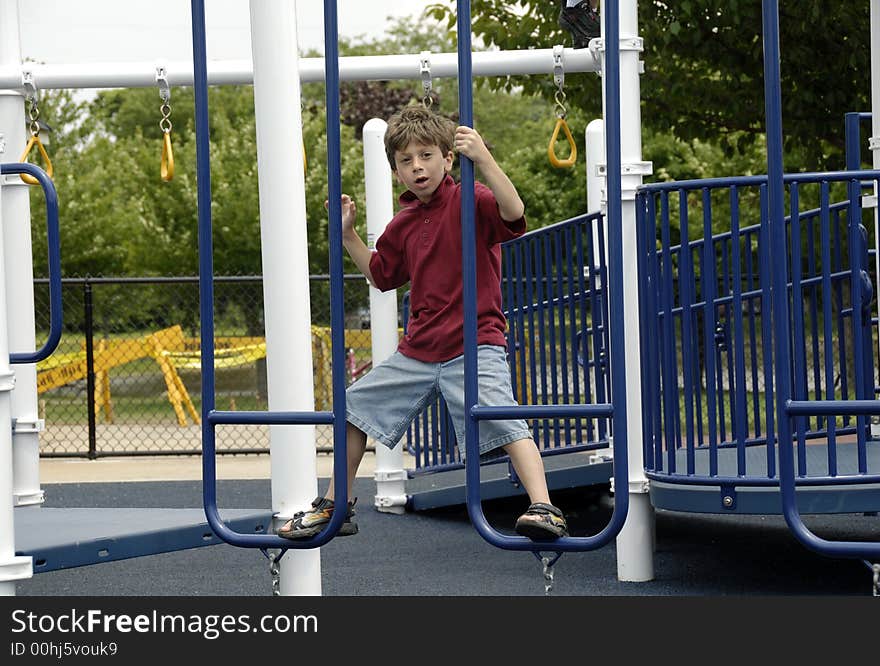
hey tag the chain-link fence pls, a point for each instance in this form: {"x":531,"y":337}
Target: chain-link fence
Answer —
{"x":131,"y":350}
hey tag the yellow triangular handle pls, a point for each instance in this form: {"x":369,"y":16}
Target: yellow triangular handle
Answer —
{"x":167,"y":167}
{"x":551,"y":153}
{"x":35,"y":141}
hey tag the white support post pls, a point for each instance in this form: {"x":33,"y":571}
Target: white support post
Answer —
{"x":290,"y":374}
{"x":19,"y":269}
{"x":12,"y":567}
{"x":390,"y":475}
{"x":635,"y":543}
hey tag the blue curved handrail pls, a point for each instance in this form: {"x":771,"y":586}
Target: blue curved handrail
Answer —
{"x":210,"y":416}
{"x":54,"y":243}
{"x":786,"y":408}
{"x":477,"y":413}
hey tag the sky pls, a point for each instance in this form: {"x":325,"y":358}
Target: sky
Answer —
{"x":82,"y":31}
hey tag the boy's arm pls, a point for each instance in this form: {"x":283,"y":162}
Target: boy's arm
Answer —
{"x":470,"y":144}
{"x":351,"y":239}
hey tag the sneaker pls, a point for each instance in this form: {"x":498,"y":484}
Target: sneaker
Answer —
{"x":582,"y":21}
{"x":542,"y":522}
{"x":309,"y":523}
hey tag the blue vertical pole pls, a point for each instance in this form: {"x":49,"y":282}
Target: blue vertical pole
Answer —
{"x":468,"y":266}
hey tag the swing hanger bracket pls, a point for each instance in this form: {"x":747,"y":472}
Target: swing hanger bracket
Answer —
{"x":425,"y":72}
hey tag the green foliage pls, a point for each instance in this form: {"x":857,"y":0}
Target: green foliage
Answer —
{"x":702,"y":117}
{"x":704,"y":68}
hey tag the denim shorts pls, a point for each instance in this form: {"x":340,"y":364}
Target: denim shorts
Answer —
{"x":385,"y":401}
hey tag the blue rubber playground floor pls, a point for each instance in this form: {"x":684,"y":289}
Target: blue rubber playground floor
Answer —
{"x":438,"y":553}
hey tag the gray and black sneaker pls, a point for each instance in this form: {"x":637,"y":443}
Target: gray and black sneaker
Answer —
{"x":308,"y":523}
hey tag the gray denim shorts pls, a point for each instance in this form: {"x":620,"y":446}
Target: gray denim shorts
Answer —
{"x":385,"y":401}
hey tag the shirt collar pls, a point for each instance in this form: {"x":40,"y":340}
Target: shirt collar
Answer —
{"x":408,"y":199}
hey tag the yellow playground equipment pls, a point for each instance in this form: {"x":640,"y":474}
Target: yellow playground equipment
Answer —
{"x":173,"y":351}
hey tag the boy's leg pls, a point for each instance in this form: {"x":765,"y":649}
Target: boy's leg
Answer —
{"x":529,"y":466}
{"x":309,"y":523}
{"x":542,"y":521}
{"x":356,"y":444}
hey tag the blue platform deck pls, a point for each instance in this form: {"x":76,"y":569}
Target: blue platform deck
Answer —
{"x":564,"y":471}
{"x":61,"y":538}
{"x":766,"y":499}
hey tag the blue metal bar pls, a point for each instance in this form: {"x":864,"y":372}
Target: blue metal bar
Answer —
{"x":54,"y":245}
{"x":738,"y":396}
{"x":799,"y":347}
{"x":210,"y":417}
{"x":707,"y":275}
{"x":775,"y":174}
{"x":472,"y":473}
{"x":828,"y":351}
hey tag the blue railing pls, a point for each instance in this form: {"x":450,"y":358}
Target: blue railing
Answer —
{"x":53,"y":239}
{"x":476,"y":412}
{"x":709,"y":389}
{"x":210,"y":416}
{"x":556,"y":304}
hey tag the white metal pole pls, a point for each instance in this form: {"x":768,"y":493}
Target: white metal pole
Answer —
{"x":390,"y":475}
{"x":12,"y":567}
{"x":19,"y":268}
{"x":351,"y":68}
{"x":635,"y":543}
{"x":285,"y":257}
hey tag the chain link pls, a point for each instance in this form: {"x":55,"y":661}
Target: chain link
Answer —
{"x":548,"y":575}
{"x":165,"y":122}
{"x":547,"y":563}
{"x":274,"y":569}
{"x":875,"y":568}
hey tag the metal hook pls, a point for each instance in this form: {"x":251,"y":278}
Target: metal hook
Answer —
{"x":425,"y":71}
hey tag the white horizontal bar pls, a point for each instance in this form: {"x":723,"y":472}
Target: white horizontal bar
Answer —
{"x":351,"y":68}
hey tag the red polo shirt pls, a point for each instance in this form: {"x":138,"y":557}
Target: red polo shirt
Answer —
{"x":422,"y":246}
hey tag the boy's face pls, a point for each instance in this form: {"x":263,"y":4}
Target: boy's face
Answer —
{"x":422,"y":168}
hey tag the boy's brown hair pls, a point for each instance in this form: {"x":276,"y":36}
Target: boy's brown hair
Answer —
{"x":416,"y":123}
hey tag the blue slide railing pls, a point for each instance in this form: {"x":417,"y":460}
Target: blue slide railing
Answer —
{"x":54,"y":243}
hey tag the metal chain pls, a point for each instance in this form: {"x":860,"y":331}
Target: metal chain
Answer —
{"x":274,"y":558}
{"x":559,"y":80}
{"x":547,"y":564}
{"x":165,"y":95}
{"x":425,"y":71}
{"x":875,"y":568}
{"x":548,"y":575}
{"x":34,"y":115}
{"x":31,"y":96}
{"x":165,"y":122}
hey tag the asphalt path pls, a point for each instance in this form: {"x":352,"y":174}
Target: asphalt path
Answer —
{"x":439,"y":553}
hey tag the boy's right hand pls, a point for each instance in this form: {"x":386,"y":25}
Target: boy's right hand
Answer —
{"x":349,"y":213}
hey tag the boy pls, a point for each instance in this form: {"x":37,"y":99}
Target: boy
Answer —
{"x":422,"y":246}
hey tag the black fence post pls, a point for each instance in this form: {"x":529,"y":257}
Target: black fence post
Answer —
{"x":90,"y":367}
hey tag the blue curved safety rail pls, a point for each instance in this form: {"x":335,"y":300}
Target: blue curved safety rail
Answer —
{"x":710,"y":383}
{"x":786,"y":407}
{"x":210,"y":416}
{"x":54,"y":244}
{"x":726,"y":343}
{"x":477,"y":413}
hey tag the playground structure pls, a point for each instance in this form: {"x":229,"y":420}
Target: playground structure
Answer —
{"x":172,"y":351}
{"x":659,"y":421}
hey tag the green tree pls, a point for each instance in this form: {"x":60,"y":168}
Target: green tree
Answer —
{"x":704,"y":68}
